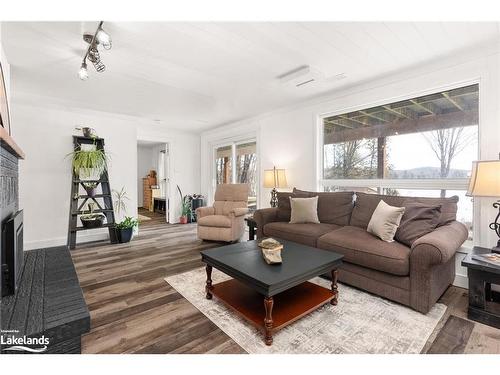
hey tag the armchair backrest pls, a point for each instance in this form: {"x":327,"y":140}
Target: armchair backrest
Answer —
{"x":230,"y":196}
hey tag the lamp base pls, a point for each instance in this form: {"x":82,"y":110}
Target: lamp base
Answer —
{"x":274,"y":198}
{"x":495,"y":226}
{"x":496,"y":249}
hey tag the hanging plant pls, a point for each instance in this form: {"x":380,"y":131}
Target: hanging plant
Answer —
{"x":89,"y":164}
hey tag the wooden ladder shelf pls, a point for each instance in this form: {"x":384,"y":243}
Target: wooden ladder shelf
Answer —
{"x":78,"y":200}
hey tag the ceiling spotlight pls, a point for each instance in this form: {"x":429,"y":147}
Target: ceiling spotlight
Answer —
{"x":100,"y":37}
{"x":83,"y":74}
{"x":103,"y":38}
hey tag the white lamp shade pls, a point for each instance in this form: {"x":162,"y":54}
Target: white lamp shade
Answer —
{"x":485,"y":179}
{"x":275,"y":178}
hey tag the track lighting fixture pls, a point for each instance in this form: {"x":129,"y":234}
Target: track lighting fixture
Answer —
{"x":83,"y":74}
{"x":103,"y":38}
{"x":100,"y":37}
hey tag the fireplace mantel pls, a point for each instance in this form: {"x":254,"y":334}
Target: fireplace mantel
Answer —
{"x":9,"y":143}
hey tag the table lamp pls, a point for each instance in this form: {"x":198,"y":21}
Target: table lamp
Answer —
{"x":274,"y":178}
{"x":485,"y":182}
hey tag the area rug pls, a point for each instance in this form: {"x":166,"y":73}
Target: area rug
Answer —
{"x":143,"y":218}
{"x":361,"y":323}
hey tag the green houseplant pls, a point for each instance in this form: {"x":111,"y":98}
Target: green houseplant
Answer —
{"x":91,"y":219}
{"x":89,"y":163}
{"x":125,"y":228}
{"x":90,"y":188}
{"x":185,"y":207}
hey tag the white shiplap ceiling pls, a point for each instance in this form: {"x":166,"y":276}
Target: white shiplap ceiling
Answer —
{"x":194,"y":76}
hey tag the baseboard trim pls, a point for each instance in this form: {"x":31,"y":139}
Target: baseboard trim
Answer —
{"x":461,"y":281}
{"x":61,"y":241}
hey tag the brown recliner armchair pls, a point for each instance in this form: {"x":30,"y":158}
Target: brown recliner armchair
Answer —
{"x":224,"y":221}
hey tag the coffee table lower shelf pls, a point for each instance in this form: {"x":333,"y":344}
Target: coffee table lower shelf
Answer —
{"x":271,"y":314}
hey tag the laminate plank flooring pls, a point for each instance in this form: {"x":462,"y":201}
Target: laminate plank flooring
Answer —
{"x":133,"y":310}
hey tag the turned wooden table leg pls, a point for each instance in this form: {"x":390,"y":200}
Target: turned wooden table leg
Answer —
{"x":335,"y":289}
{"x":268,"y":320}
{"x":208,"y":286}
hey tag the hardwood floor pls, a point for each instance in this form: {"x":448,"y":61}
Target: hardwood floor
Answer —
{"x":153,"y":218}
{"x":133,"y":310}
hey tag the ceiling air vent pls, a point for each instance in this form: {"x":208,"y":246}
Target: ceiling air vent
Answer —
{"x":301,"y":76}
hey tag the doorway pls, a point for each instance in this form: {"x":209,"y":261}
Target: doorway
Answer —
{"x":152,"y":182}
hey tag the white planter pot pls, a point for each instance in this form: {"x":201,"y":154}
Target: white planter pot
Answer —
{"x":88,"y":174}
{"x":88,"y":147}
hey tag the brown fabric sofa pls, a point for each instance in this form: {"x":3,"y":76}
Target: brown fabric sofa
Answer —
{"x":415,"y":276}
{"x":224,"y":221}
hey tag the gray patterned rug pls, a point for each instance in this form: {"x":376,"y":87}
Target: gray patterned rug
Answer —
{"x":360,"y":323}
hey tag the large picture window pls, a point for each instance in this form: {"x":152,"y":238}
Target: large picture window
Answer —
{"x":422,"y":146}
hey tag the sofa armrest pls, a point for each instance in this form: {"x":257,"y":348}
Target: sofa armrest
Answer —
{"x":440,"y":245}
{"x":264,"y":216}
{"x":240,"y":211}
{"x":204,"y":211}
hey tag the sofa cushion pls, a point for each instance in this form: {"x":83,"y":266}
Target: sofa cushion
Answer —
{"x":304,"y":210}
{"x":333,"y":207}
{"x":218,"y":221}
{"x":306,"y":234}
{"x":284,"y":208}
{"x":365,"y":204}
{"x":418,"y":220}
{"x":385,"y":221}
{"x":362,"y":248}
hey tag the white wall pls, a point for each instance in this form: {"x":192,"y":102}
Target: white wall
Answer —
{"x":45,"y":135}
{"x":288,"y":136}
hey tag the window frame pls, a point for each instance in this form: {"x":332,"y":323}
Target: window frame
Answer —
{"x":411,"y":184}
{"x":234,"y":144}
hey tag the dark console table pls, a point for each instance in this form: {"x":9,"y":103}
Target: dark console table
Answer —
{"x":49,"y":302}
{"x":484,"y":303}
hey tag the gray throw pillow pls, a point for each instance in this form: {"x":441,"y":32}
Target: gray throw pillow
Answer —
{"x":385,"y":221}
{"x":304,"y":210}
{"x":418,"y":220}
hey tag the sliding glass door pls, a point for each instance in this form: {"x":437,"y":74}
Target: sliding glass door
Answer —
{"x":224,"y":165}
{"x":237,"y":163}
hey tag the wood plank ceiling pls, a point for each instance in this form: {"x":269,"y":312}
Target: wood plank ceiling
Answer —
{"x":448,"y":109}
{"x":195,"y":75}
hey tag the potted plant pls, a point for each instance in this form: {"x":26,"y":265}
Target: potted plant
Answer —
{"x":87,"y":132}
{"x":185,"y":207}
{"x":92,"y":220}
{"x":185,"y":211}
{"x":125,"y":229}
{"x":90,"y":188}
{"x":88,"y":162}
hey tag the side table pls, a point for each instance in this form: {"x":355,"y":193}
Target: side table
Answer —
{"x":484,"y":303}
{"x":252,"y":227}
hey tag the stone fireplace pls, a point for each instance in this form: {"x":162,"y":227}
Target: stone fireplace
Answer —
{"x":11,"y":246}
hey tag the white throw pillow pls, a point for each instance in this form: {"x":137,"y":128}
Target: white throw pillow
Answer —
{"x":304,"y":210}
{"x":385,"y":221}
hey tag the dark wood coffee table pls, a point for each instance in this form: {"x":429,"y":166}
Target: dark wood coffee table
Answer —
{"x":283,"y":289}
